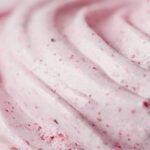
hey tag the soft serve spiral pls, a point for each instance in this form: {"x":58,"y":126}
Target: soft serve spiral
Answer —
{"x":74,"y":75}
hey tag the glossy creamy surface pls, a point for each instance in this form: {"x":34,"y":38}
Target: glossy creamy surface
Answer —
{"x":74,"y":75}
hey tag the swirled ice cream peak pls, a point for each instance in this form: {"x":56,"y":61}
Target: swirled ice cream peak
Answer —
{"x":74,"y":75}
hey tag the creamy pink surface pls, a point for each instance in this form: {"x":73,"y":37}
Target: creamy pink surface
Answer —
{"x":74,"y":75}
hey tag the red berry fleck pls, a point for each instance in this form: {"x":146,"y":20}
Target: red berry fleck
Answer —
{"x":60,"y":135}
{"x":93,"y":125}
{"x":39,"y":128}
{"x":146,"y":104}
{"x":118,"y":145}
{"x":55,"y":121}
{"x":52,"y":40}
{"x":134,"y":88}
{"x":139,"y":63}
{"x":27,"y":142}
{"x":104,"y":132}
{"x":52,"y":138}
{"x":42,"y":138}
{"x":72,"y":56}
{"x":99,"y":119}
{"x":94,"y":68}
{"x":6,"y":110}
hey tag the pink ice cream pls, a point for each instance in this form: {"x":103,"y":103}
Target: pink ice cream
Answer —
{"x":74,"y":75}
